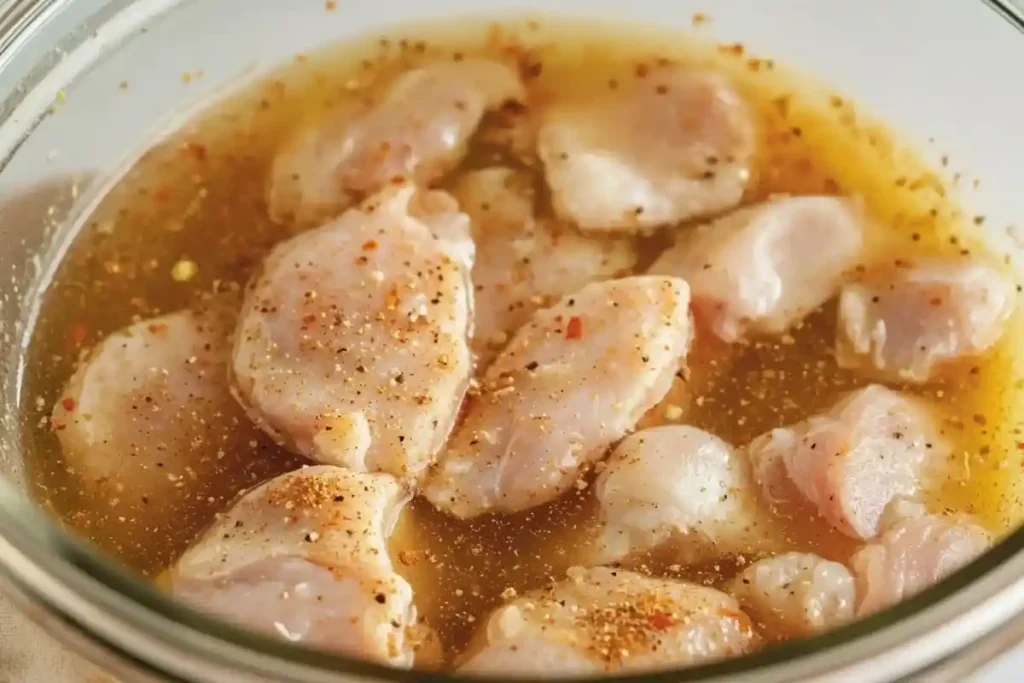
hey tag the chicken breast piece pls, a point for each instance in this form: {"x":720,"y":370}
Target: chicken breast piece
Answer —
{"x":150,"y":408}
{"x":305,"y":557}
{"x":796,"y":593}
{"x":524,"y":262}
{"x":904,"y":323}
{"x":605,"y":621}
{"x":416,"y":129}
{"x":353,"y":343}
{"x":874,"y":446}
{"x":571,"y":383}
{"x":676,"y":145}
{"x":681,"y":486}
{"x":915,"y":551}
{"x":764,"y":268}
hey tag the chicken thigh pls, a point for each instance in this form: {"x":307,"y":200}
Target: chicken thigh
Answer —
{"x":676,"y":145}
{"x":796,"y":593}
{"x":149,"y":409}
{"x":762,"y":269}
{"x":571,"y":383}
{"x":850,"y":463}
{"x":524,"y":262}
{"x":914,"y":551}
{"x":603,"y":621}
{"x":305,"y":557}
{"x":906,"y":322}
{"x":417,"y":130}
{"x":677,"y":485}
{"x":353,"y":342}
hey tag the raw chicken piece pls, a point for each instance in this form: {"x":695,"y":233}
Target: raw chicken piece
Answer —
{"x":305,"y":557}
{"x":416,"y":131}
{"x":763,"y":268}
{"x":677,"y":485}
{"x":352,"y":346}
{"x":522,"y":262}
{"x":571,"y":383}
{"x":150,"y":407}
{"x":908,"y":321}
{"x":678,"y":144}
{"x":870,"y":448}
{"x":603,"y":620}
{"x":914,"y":551}
{"x":796,"y":593}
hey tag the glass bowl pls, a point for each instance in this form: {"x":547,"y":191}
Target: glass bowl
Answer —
{"x":942,"y":74}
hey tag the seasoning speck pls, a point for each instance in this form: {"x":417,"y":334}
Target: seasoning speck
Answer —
{"x":184,"y":270}
{"x":574,"y":330}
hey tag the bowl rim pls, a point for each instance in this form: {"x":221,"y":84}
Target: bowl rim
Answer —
{"x":122,"y":621}
{"x":130,"y":619}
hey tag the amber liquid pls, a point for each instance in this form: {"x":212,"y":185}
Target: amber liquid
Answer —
{"x":199,"y":197}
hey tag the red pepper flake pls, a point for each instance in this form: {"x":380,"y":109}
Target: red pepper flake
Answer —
{"x":369,"y":245}
{"x":1020,"y":445}
{"x":79,"y":333}
{"x":662,"y":621}
{"x":68,"y":404}
{"x":162,"y":194}
{"x":309,"y":319}
{"x":574,"y":330}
